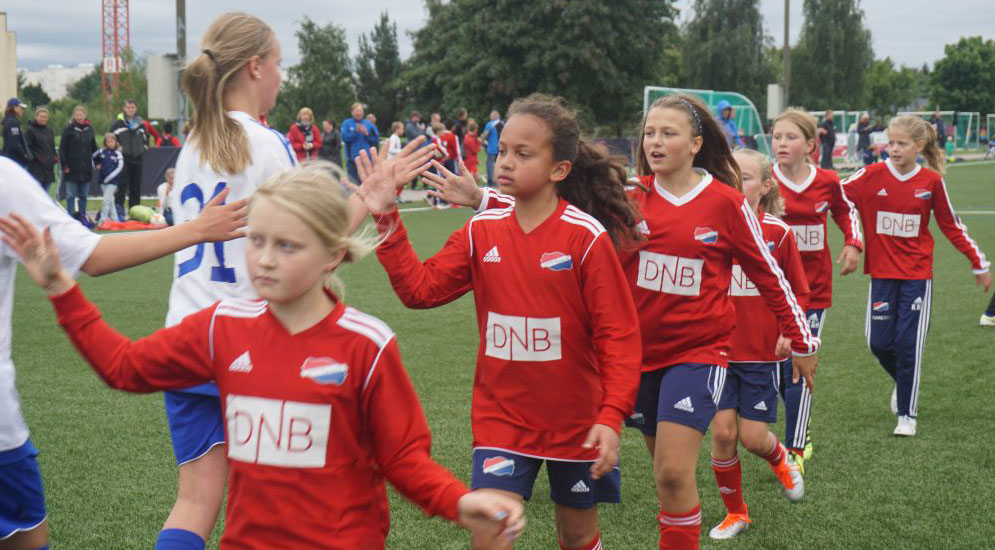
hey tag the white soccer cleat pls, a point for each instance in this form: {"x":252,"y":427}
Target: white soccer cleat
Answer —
{"x":987,"y":320}
{"x":894,"y":400}
{"x":906,"y":426}
{"x":731,"y":526}
{"x":789,"y":474}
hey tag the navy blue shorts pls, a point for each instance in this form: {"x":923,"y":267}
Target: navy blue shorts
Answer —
{"x":195,"y":423}
{"x":570,"y":483}
{"x":685,"y":394}
{"x":751,"y":389}
{"x":22,"y":497}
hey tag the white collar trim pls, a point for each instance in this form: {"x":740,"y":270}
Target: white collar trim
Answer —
{"x":797,"y":188}
{"x":902,"y":177}
{"x":706,"y":179}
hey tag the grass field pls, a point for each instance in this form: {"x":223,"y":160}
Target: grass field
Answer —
{"x":110,"y":476}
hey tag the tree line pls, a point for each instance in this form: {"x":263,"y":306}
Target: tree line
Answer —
{"x":481,"y":54}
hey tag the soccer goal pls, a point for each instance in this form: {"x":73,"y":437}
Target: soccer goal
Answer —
{"x":989,"y":129}
{"x":963,"y":126}
{"x":745,"y":115}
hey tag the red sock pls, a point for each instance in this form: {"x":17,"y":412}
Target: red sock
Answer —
{"x":680,"y":531}
{"x":595,"y":544}
{"x":729,"y":476}
{"x":776,"y":454}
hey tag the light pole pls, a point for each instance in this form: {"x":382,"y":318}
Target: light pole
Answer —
{"x":787,"y":54}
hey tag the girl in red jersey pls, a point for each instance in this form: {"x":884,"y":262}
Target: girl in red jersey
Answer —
{"x":749,"y":396}
{"x":695,"y":223}
{"x":301,"y":475}
{"x":810,"y":193}
{"x":895,"y":199}
{"x":558,"y":363}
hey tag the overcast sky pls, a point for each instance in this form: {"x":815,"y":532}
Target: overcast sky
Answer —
{"x":67,"y":32}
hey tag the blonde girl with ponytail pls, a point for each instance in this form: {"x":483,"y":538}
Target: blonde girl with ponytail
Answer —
{"x":895,"y":199}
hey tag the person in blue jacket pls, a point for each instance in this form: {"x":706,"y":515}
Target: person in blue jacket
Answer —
{"x":358,"y":134}
{"x":728,"y":124}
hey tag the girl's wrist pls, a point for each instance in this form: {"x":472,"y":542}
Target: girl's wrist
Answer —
{"x":61,"y":284}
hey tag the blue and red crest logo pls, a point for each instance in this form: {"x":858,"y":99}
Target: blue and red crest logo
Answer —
{"x":880,"y":306}
{"x":706,"y":235}
{"x":324,"y":370}
{"x":924,"y":194}
{"x":556,"y":261}
{"x":821,"y":207}
{"x":499,"y":466}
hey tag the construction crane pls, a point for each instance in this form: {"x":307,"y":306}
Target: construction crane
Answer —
{"x":116,"y":41}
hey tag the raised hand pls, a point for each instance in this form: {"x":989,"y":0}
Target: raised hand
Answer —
{"x":461,"y":190}
{"x":219,"y":221}
{"x":605,"y":440}
{"x":377,"y":189}
{"x":38,"y":253}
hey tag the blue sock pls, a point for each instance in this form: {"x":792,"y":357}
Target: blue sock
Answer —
{"x":178,"y":539}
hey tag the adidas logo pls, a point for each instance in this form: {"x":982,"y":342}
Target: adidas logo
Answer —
{"x":492,"y":255}
{"x":813,"y":321}
{"x":643,"y":228}
{"x":917,"y":304}
{"x":726,"y":490}
{"x":883,"y":192}
{"x":761,"y":406}
{"x":684,"y":405}
{"x":580,"y":487}
{"x":241,"y":364}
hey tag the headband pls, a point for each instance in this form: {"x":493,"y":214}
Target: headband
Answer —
{"x":694,"y":112}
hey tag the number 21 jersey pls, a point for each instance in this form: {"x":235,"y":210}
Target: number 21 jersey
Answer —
{"x":208,"y":272}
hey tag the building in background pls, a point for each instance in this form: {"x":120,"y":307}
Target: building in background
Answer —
{"x":8,"y":59}
{"x":56,"y":79}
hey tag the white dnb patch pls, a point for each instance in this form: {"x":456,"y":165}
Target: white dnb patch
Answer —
{"x":669,"y":274}
{"x":898,"y":225}
{"x":277,"y":432}
{"x":523,"y":338}
{"x":810,"y":237}
{"x":741,"y":285}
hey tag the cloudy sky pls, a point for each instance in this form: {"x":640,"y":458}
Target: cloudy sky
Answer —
{"x":67,"y":32}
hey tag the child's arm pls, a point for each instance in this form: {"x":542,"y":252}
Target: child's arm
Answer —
{"x":402,"y":444}
{"x":617,"y":343}
{"x":172,"y":358}
{"x":956,"y":232}
{"x":845,"y":215}
{"x":117,"y":169}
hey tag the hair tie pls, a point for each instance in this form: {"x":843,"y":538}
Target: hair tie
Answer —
{"x":210,"y":56}
{"x":694,"y":112}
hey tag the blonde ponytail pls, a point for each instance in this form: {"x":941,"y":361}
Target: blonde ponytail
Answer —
{"x":922,"y":132}
{"x":229,"y":43}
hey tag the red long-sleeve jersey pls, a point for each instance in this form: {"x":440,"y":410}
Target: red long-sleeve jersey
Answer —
{"x":894,"y":209}
{"x":755,"y":338}
{"x":806,"y":205}
{"x":559,"y":340}
{"x":679,"y":275}
{"x":315,"y":420}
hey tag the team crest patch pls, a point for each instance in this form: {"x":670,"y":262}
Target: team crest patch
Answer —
{"x":821,"y":207}
{"x":324,"y":370}
{"x":706,"y":235}
{"x":770,"y":245}
{"x":880,"y":306}
{"x":499,"y":466}
{"x":923,"y":194}
{"x":556,"y":261}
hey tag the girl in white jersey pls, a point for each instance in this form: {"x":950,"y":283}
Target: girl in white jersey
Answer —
{"x":23,"y":524}
{"x":236,"y":73}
